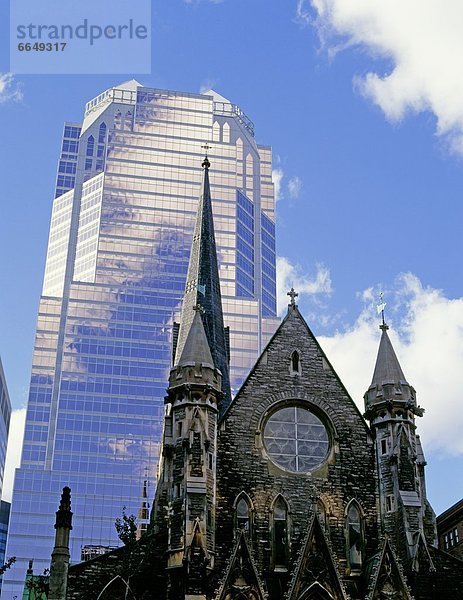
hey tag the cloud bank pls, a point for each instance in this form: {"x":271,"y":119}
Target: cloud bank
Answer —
{"x":422,"y":43}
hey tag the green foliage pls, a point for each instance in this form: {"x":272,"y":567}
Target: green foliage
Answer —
{"x":38,"y":586}
{"x":126,"y":528}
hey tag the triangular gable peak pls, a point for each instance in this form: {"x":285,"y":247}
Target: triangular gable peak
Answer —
{"x":315,"y":574}
{"x":294,"y":334}
{"x":387,"y":579}
{"x":241,"y":580}
{"x":422,"y":560}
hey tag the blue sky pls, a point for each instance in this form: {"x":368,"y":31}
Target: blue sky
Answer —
{"x":363,"y":106}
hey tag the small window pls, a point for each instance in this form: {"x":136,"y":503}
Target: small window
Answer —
{"x":354,"y":536}
{"x":451,"y":542}
{"x":226,"y":133}
{"x":280,"y":534}
{"x":455,"y":535}
{"x":446,"y":541}
{"x":102,"y":133}
{"x":242,"y":515}
{"x":384,"y":446}
{"x":177,"y":490}
{"x":90,"y":145}
{"x":295,"y":363}
{"x":389,"y":503}
{"x":179,"y":428}
{"x":210,"y":460}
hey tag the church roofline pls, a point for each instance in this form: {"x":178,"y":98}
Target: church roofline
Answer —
{"x":293,"y":309}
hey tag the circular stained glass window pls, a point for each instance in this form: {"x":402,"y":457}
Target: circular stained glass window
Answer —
{"x":296,"y":439}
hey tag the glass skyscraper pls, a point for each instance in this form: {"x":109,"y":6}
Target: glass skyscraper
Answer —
{"x":122,"y":222}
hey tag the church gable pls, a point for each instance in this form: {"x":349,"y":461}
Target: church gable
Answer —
{"x":387,"y":581}
{"x":315,"y":574}
{"x":294,"y":363}
{"x":241,"y":580}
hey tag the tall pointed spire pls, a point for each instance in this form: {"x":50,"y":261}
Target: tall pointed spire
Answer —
{"x":202,"y":290}
{"x":387,"y":368}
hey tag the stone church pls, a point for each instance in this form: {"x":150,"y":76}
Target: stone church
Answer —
{"x":286,"y":492}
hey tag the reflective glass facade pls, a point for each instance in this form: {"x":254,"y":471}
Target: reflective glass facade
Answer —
{"x":5,"y":416}
{"x":117,"y":260}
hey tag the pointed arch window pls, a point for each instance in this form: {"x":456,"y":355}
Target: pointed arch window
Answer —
{"x":354,"y":534}
{"x":226,"y":133}
{"x":216,"y":132}
{"x":90,"y":145}
{"x":280,"y":534}
{"x":295,"y":363}
{"x":102,"y":133}
{"x":243,"y":514}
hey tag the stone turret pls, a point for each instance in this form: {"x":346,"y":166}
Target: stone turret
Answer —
{"x":391,"y":408}
{"x":60,"y":556}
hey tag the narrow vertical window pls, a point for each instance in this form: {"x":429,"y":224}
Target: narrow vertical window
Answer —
{"x":242,"y":515}
{"x":295,"y":363}
{"x":90,"y":145}
{"x":280,"y":534}
{"x":226,"y":133}
{"x":389,"y":503}
{"x":216,"y":132}
{"x":384,"y":446}
{"x":455,"y":534}
{"x":102,"y":133}
{"x":354,"y":536}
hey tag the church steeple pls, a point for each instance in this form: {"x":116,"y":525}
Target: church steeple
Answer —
{"x":387,"y":368}
{"x":202,"y":290}
{"x":391,"y":408}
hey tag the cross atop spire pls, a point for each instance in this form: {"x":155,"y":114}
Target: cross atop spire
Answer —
{"x":206,"y":164}
{"x":293,"y":295}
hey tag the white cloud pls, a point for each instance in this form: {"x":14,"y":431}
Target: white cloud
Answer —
{"x":206,"y":85}
{"x":423,"y":44}
{"x":289,"y":275}
{"x":13,"y":455}
{"x":302,"y":13}
{"x":9,"y":89}
{"x":277,"y":176}
{"x":428,"y":339}
{"x":294,"y":187}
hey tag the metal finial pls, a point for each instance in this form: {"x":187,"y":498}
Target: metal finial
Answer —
{"x":293,"y":295}
{"x":380,"y":308}
{"x":206,"y":164}
{"x":198,"y":308}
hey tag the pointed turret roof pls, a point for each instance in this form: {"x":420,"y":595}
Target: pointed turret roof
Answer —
{"x":202,"y":292}
{"x":387,"y":369}
{"x":196,"y":348}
